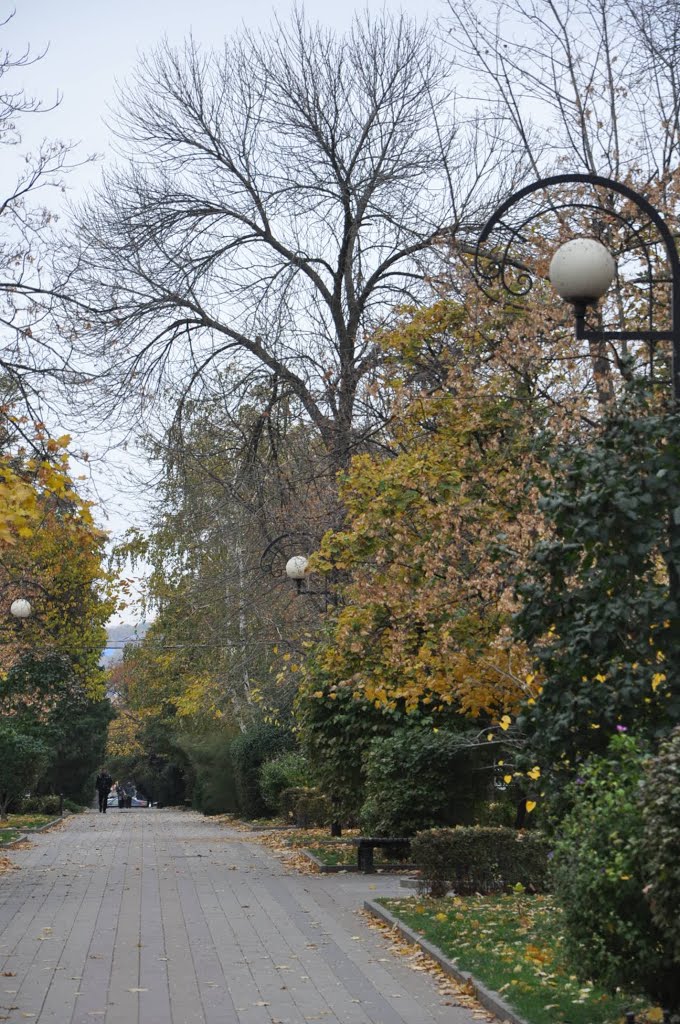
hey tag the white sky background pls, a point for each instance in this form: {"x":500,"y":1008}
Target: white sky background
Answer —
{"x":91,"y":45}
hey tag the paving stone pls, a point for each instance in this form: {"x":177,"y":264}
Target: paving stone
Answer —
{"x":149,"y":916}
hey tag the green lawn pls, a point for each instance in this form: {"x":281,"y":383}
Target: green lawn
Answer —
{"x":339,"y":853}
{"x":29,"y":821}
{"x":513,"y":945}
{"x":18,"y":823}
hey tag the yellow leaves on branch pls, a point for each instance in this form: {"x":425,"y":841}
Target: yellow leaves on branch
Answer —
{"x":657,"y":679}
{"x":25,"y":481}
{"x":18,"y":505}
{"x":53,"y":554}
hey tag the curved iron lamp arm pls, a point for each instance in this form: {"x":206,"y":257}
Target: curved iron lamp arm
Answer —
{"x":582,"y":331}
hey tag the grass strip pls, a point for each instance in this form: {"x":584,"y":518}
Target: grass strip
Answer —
{"x":512,"y":944}
{"x":29,"y":821}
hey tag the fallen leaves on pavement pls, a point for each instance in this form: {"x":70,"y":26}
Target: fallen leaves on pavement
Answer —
{"x":453,"y":993}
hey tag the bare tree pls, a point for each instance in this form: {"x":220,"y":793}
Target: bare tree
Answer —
{"x":30,"y":360}
{"x":277,"y":199}
{"x":583,"y":85}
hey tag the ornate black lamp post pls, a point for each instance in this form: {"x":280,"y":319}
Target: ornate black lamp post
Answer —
{"x":582,"y":269}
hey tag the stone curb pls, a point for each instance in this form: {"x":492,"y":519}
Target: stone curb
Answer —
{"x":327,"y":869}
{"x":489,"y":999}
{"x":13,"y":842}
{"x":40,"y":828}
{"x":25,"y":832}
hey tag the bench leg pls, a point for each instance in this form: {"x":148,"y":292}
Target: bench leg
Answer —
{"x":365,"y":859}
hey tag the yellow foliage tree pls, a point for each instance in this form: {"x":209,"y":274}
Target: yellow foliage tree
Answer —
{"x":430,"y":530}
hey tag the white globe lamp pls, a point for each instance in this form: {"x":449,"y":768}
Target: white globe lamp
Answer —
{"x":21,"y":608}
{"x":296,"y":567}
{"x":582,"y":270}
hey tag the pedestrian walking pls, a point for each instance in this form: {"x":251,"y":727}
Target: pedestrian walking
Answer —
{"x":103,"y":785}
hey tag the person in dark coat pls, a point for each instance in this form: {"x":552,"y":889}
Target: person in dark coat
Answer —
{"x":103,"y":785}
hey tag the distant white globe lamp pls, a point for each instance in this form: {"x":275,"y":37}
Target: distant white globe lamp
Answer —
{"x":21,"y":608}
{"x":582,"y":270}
{"x":296,"y":567}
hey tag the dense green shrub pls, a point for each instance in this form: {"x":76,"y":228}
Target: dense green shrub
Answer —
{"x":52,"y":706}
{"x":42,"y":804}
{"x":337,"y":726}
{"x":249,"y":751}
{"x":22,"y":761}
{"x":599,"y":875}
{"x":283,"y":772}
{"x":421,"y":777}
{"x":660,"y":840}
{"x":305,"y":806}
{"x":479,"y":859}
{"x":72,"y":806}
{"x":213,"y":788}
{"x":165,"y":772}
{"x":78,"y":747}
{"x":592,"y":593}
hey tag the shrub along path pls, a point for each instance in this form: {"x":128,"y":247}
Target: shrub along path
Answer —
{"x":164,"y":917}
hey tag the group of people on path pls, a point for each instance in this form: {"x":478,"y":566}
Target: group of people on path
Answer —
{"x":104,"y":783}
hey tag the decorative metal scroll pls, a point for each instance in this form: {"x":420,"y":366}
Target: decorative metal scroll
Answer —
{"x":276,"y":554}
{"x":503,"y":256}
{"x":21,"y":587}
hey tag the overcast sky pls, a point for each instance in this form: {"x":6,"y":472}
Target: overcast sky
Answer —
{"x":94,"y":44}
{"x":90,"y":46}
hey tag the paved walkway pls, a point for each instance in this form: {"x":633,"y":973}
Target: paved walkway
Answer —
{"x":164,"y":917}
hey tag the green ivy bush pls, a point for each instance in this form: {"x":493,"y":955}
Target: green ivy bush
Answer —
{"x":305,"y":806}
{"x":660,"y":840}
{"x":283,"y":772}
{"x":593,"y":593}
{"x":418,"y":778}
{"x":479,"y":859}
{"x":599,"y":877}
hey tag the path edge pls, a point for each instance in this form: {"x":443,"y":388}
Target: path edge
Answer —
{"x":488,"y":998}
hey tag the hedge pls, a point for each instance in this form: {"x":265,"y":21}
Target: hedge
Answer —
{"x":479,"y":859}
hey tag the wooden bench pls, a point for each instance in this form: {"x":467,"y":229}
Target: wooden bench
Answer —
{"x":395,"y":847}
